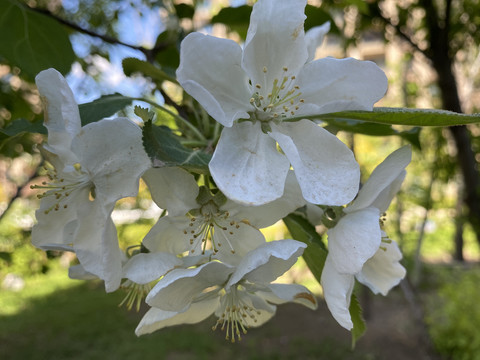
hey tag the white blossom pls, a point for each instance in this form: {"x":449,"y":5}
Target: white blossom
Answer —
{"x":89,"y":170}
{"x":358,"y":247}
{"x":267,"y":83}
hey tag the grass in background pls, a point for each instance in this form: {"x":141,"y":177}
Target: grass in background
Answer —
{"x":54,"y":317}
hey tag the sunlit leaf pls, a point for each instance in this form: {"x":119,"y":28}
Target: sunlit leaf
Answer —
{"x":103,"y":107}
{"x":33,"y":41}
{"x":166,"y":150}
{"x":404,"y":116}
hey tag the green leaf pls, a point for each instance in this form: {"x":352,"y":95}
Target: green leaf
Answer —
{"x":184,"y":10}
{"x":164,"y":148}
{"x":103,"y":107}
{"x":169,"y":56}
{"x":133,"y":65}
{"x":403,"y":116}
{"x":359,"y":326}
{"x":316,"y":253}
{"x":144,"y":113}
{"x":33,"y":41}
{"x":372,"y":129}
{"x":20,"y":126}
{"x":236,"y":18}
{"x":317,"y":16}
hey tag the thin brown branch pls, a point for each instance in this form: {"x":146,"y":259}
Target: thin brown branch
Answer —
{"x":18,"y":192}
{"x":149,"y":53}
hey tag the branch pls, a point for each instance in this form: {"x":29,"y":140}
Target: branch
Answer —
{"x":18,"y":193}
{"x":403,"y":35}
{"x":149,"y":53}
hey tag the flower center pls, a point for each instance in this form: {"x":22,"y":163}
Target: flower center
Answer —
{"x":135,"y":294}
{"x":236,"y":312}
{"x":282,"y":99}
{"x":60,"y":187}
{"x":213,"y":227}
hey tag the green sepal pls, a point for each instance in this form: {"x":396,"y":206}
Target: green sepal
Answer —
{"x":143,"y":113}
{"x":204,"y":195}
{"x":164,"y":148}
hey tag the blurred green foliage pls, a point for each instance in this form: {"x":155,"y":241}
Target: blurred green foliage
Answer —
{"x":453,"y":314}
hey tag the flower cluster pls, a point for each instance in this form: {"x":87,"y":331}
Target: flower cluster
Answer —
{"x":207,"y":255}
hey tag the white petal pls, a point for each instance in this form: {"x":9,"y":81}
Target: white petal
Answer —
{"x":384,"y":182}
{"x":282,"y":293}
{"x":55,"y":230}
{"x":173,"y":189}
{"x":168,"y":235}
{"x":246,"y":165}
{"x":331,"y":85}
{"x":354,"y":240}
{"x":179,"y":288}
{"x":156,"y":319}
{"x":314,"y":214}
{"x":314,"y":38}
{"x":265,"y":215}
{"x":77,"y":272}
{"x":337,"y":291}
{"x":115,"y":166}
{"x":267,"y":262}
{"x":241,"y":240}
{"x":275,"y":40}
{"x":325,"y":168}
{"x":383,"y":271}
{"x":96,"y":245}
{"x":145,"y":267}
{"x":210,"y":71}
{"x":62,"y":118}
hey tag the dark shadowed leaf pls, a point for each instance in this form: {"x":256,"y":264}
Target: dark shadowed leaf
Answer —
{"x":133,"y":65}
{"x":165,"y":150}
{"x":32,"y":41}
{"x":373,"y":129}
{"x":316,"y":253}
{"x":236,"y":18}
{"x":103,"y":107}
{"x":20,"y":126}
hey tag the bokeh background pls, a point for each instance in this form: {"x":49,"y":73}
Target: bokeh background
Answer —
{"x":430,"y":52}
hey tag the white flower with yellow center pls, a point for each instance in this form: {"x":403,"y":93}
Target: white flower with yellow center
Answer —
{"x":241,"y":297}
{"x":89,"y":169}
{"x":255,"y":91}
{"x":358,"y":247}
{"x":198,"y":221}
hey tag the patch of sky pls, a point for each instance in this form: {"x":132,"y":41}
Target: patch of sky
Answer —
{"x":138,"y":25}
